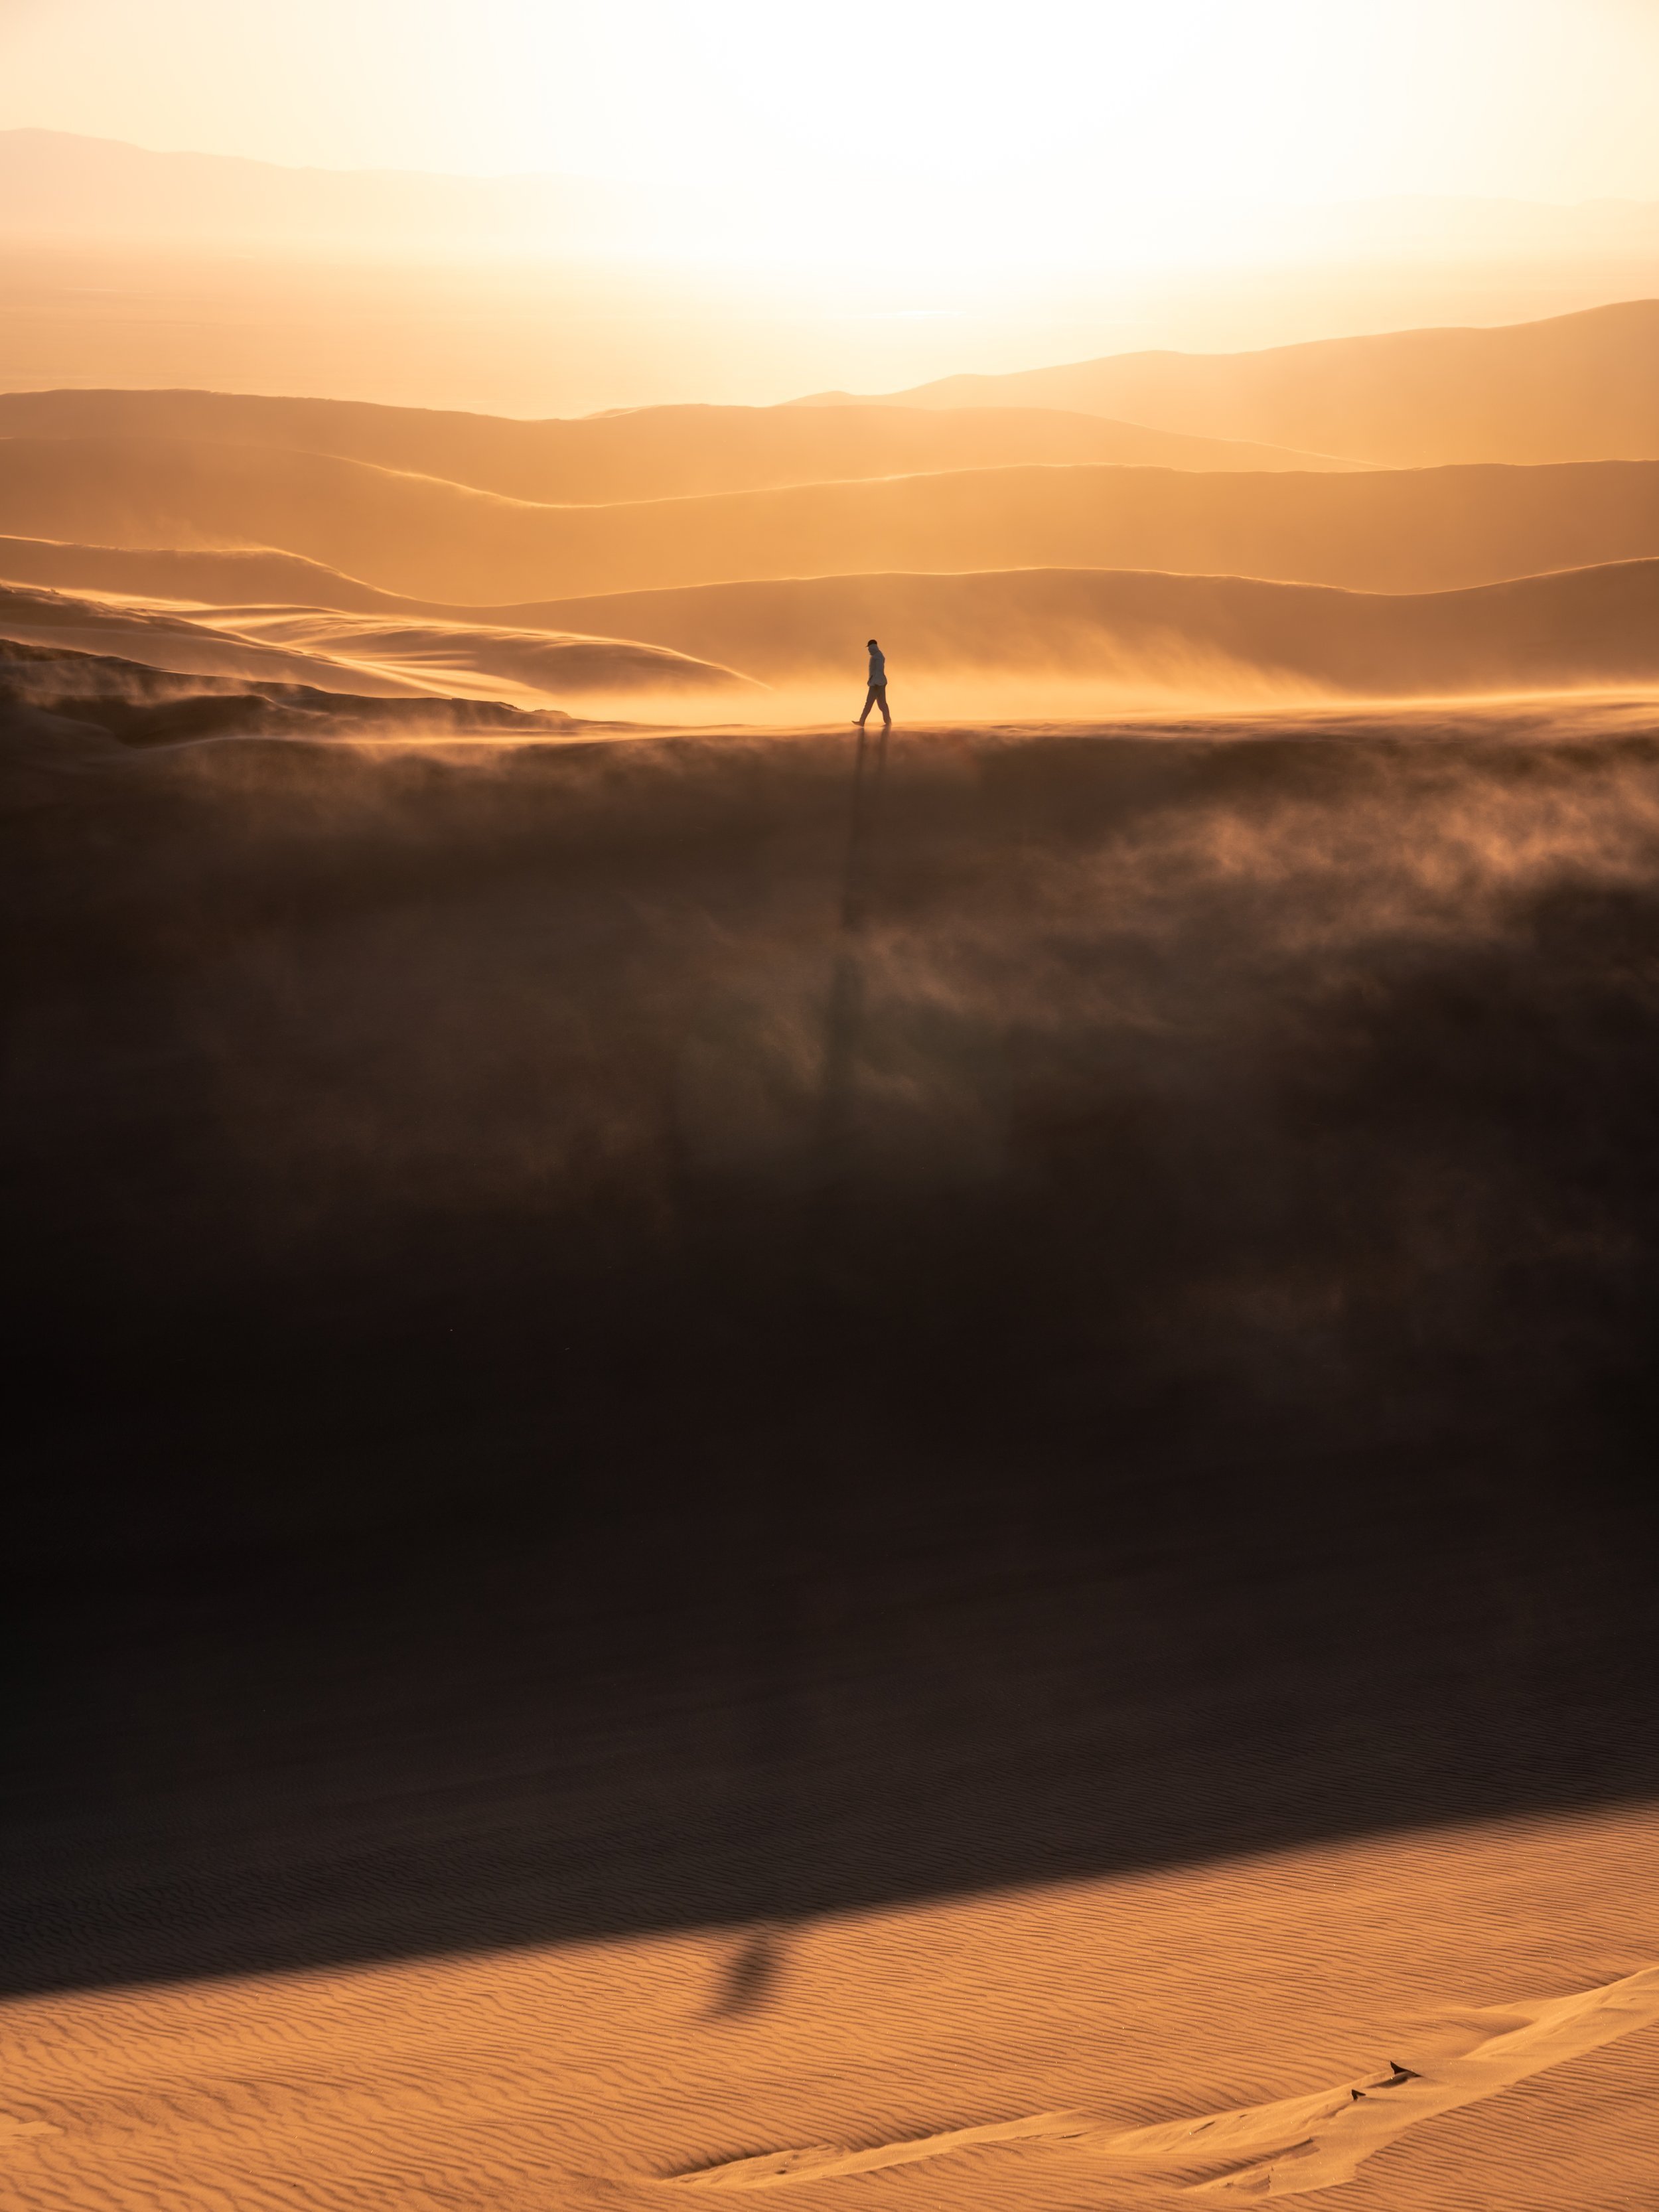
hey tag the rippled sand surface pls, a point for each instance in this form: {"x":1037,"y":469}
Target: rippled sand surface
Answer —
{"x":1452,"y":2019}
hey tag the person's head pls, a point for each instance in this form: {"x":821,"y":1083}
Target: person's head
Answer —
{"x":870,"y":642}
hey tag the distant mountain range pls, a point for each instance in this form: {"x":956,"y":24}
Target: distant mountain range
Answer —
{"x":61,"y":186}
{"x":58,"y":186}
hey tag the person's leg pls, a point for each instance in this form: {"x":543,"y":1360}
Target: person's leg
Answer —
{"x":869,"y":701}
{"x":886,"y":718}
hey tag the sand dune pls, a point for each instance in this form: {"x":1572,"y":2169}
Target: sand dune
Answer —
{"x":169,"y":642}
{"x":1206,"y":636}
{"x":226,"y":578}
{"x":1037,"y":1508}
{"x":1387,"y":531}
{"x":54,"y":696}
{"x":1575,"y":387}
{"x":491,"y":661}
{"x":1581,"y":627}
{"x":646,"y":453}
{"x":579,"y":2074}
{"x":1288,"y":2148}
{"x":425,"y":658}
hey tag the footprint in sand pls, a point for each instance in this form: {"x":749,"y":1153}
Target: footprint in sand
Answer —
{"x":1281,"y":2149}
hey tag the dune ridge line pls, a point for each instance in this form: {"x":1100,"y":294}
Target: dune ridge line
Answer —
{"x":1290,"y":2147}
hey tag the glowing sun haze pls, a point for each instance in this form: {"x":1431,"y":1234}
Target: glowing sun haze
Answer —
{"x":972,"y":127}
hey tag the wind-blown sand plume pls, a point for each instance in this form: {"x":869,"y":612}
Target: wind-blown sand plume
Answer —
{"x":139,"y":704}
{"x":164,"y":639}
{"x":1575,"y":387}
{"x":435,"y":658}
{"x":225,"y":578}
{"x":489,"y":660}
{"x":1203,"y":634}
{"x":1052,"y":631}
{"x":643,"y":452}
{"x":1395,"y":529}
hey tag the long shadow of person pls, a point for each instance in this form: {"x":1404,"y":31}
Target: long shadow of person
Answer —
{"x":844,"y":1018}
{"x":778,"y":1661}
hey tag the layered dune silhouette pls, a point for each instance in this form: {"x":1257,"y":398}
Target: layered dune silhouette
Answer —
{"x":227,"y":578}
{"x":643,"y":452}
{"x":1585,"y":628}
{"x":63,"y":185}
{"x":1396,"y":529}
{"x":1575,"y":387}
{"x":1198,"y":637}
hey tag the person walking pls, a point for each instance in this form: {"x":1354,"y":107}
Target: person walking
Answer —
{"x":877,"y":687}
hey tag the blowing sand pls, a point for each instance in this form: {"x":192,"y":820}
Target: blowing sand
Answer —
{"x":1004,"y":1551}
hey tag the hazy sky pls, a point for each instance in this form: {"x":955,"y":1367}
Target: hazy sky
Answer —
{"x":1304,"y":99}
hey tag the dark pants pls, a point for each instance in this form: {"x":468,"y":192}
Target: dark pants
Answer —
{"x":878,"y":698}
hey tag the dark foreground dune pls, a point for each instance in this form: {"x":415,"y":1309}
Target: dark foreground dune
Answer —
{"x":716,"y":1473}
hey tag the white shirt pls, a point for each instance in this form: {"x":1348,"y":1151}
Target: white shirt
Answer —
{"x":877,"y":668}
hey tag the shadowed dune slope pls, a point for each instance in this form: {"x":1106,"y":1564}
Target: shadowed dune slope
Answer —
{"x":1575,"y":387}
{"x":557,"y":1393}
{"x":1580,"y":627}
{"x":648,"y":453}
{"x":1386,"y":531}
{"x":420,"y":656}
